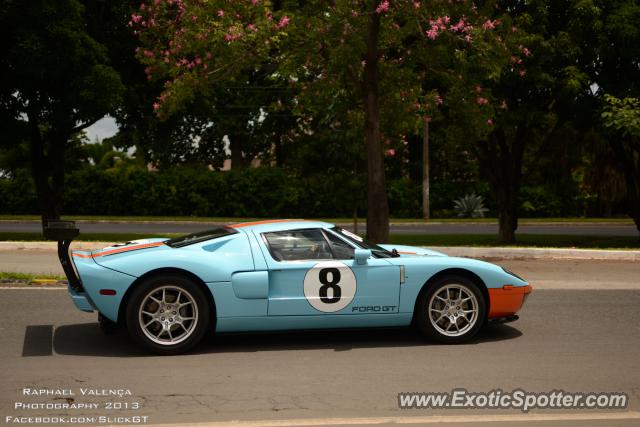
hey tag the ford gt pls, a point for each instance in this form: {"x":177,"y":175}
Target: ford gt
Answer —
{"x":281,"y":275}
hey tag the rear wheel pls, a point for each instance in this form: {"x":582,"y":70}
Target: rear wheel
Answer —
{"x":452,"y":310}
{"x":168,"y":314}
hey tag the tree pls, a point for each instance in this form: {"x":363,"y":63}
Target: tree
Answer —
{"x":617,"y":75}
{"x":622,"y":116}
{"x":373,"y":57}
{"x":536,"y":99}
{"x":56,"y":82}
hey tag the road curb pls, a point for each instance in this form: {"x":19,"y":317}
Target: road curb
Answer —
{"x":50,"y":246}
{"x":540,"y":253}
{"x":460,"y":251}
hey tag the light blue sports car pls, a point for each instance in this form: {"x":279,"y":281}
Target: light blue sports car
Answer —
{"x":281,"y":275}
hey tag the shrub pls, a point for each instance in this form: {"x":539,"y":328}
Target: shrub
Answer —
{"x":470,"y":206}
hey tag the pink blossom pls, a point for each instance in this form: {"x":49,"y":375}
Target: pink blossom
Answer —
{"x":514,"y":29}
{"x":477,"y":88}
{"x":156,"y":106}
{"x":254,"y":2}
{"x":488,"y":25}
{"x":194,"y":18}
{"x":354,"y":13}
{"x":458,"y":27}
{"x":284,"y":21}
{"x":482,"y":101}
{"x":221,"y":13}
{"x":525,"y":51}
{"x":252,"y":27}
{"x":136,"y":18}
{"x":504,"y":105}
{"x":383,"y":6}
{"x":489,"y":122}
{"x":468,"y":38}
{"x":416,"y":4}
{"x":522,"y":72}
{"x":433,"y":33}
{"x":390,"y":153}
{"x":438,"y":100}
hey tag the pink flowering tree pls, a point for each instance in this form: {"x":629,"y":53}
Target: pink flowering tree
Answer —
{"x":384,"y":67}
{"x":377,"y":68}
{"x":193,"y":46}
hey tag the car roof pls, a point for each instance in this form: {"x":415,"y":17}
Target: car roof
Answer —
{"x":279,"y":225}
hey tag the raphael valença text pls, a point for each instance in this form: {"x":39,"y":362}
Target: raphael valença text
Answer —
{"x":120,"y":392}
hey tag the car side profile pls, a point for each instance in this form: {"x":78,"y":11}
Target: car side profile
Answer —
{"x":281,"y":275}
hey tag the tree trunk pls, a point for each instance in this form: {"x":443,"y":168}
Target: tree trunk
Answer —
{"x":508,"y":223}
{"x":628,"y":161}
{"x":377,"y":203}
{"x":237,"y":158}
{"x":48,"y":188}
{"x":502,"y":162}
{"x":425,"y":170}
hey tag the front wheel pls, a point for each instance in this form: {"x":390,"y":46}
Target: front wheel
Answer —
{"x":168,"y":314}
{"x":452,"y":310}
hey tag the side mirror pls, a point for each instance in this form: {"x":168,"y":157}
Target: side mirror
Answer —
{"x":362,"y":255}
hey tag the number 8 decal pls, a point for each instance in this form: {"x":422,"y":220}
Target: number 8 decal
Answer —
{"x":329,"y":286}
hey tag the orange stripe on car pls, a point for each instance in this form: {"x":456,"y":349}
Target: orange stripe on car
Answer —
{"x":269,"y":221}
{"x":507,"y":300}
{"x":407,"y":253}
{"x":119,"y":250}
{"x":77,"y":255}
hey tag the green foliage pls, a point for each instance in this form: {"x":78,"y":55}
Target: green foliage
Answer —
{"x":622,"y":115}
{"x":126,"y":189}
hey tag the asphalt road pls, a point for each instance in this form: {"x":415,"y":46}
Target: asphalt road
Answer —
{"x":574,"y":340}
{"x":595,"y":229}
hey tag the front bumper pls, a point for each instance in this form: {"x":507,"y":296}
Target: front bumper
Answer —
{"x":81,"y":300}
{"x":506,"y":301}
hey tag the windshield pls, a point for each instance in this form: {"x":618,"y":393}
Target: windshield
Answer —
{"x":377,"y":251}
{"x":200,"y":236}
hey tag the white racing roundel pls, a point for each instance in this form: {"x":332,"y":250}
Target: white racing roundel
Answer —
{"x":329,"y":286}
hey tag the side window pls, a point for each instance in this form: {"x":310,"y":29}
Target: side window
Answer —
{"x":340,"y":248}
{"x":295,"y":245}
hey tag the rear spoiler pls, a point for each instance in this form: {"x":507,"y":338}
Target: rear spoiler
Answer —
{"x":64,"y":232}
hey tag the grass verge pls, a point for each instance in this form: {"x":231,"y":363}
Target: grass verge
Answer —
{"x":26,"y":278}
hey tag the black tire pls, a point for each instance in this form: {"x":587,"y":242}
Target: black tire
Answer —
{"x":430,"y":302}
{"x":174,"y":286}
